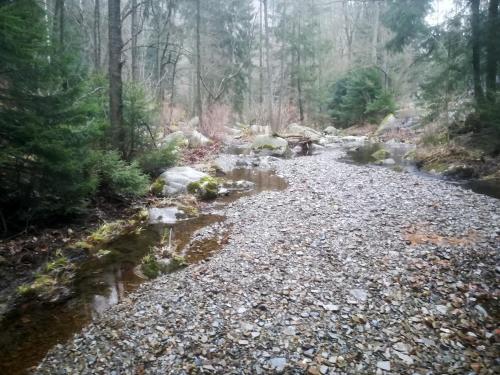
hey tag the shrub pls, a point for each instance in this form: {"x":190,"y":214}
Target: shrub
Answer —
{"x":156,"y":161}
{"x":118,"y":176}
{"x":360,"y":97}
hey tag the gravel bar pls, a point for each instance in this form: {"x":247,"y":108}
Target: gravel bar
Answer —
{"x":351,"y":270}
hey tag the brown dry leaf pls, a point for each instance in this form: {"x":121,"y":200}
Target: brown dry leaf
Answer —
{"x":420,"y":236}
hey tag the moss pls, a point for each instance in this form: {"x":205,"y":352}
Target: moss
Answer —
{"x":43,"y":285}
{"x":83,"y":245}
{"x":24,"y":290}
{"x":410,"y":155}
{"x":157,"y":186}
{"x":108,"y":232}
{"x":57,"y":264}
{"x":177,"y":262}
{"x":150,"y":266}
{"x":141,"y":216}
{"x":207,"y":188}
{"x":381,"y":154}
{"x":436,"y":167}
{"x":102,"y":253}
{"x":397,"y":168}
{"x":190,"y":211}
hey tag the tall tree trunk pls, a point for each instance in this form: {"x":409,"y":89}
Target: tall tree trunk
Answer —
{"x":268,"y":69}
{"x":133,"y":48}
{"x":476,"y":51}
{"x":376,"y":22}
{"x":261,"y":58}
{"x":492,"y":51}
{"x":282,"y":67}
{"x":58,"y":30}
{"x":199,"y":103}
{"x":97,"y":35}
{"x":299,"y":73}
{"x":115,"y":76}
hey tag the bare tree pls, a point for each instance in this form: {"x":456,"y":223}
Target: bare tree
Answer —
{"x":96,"y":34}
{"x":115,"y":76}
{"x":268,"y":67}
{"x":199,"y":103}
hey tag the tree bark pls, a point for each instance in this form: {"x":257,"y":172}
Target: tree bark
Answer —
{"x":97,"y":35}
{"x":115,"y":76}
{"x":199,"y":103}
{"x":261,"y":58}
{"x":268,"y":68}
{"x":476,"y":51}
{"x":58,"y":30}
{"x":133,"y":49}
{"x":492,"y":51}
{"x":299,"y":73}
{"x":376,"y":22}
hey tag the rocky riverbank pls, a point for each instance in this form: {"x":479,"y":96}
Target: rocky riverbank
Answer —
{"x":352,"y":269}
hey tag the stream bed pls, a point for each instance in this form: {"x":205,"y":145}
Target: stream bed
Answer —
{"x":28,"y":332}
{"x":362,"y":155}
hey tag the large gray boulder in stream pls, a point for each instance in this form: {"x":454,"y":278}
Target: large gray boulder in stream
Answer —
{"x":390,"y":122}
{"x":196,"y":139}
{"x":303,"y":131}
{"x":268,"y":144}
{"x":178,"y":137}
{"x":178,"y":178}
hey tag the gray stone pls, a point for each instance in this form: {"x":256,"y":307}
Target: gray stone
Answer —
{"x":384,"y":365}
{"x":273,"y":145}
{"x":304,"y":131}
{"x":196,"y":139}
{"x":278,"y":363}
{"x":178,"y":178}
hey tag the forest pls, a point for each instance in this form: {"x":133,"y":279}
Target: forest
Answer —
{"x":163,"y":140}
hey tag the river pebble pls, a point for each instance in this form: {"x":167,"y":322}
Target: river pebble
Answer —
{"x":351,"y":270}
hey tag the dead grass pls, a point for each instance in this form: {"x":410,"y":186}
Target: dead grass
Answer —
{"x":422,"y":235}
{"x":214,"y":121}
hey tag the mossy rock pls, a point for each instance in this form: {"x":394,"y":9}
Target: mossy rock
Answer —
{"x":157,"y":187}
{"x":207,"y":188}
{"x":411,"y":155}
{"x":381,"y":154}
{"x":435,"y":167}
{"x":150,"y":266}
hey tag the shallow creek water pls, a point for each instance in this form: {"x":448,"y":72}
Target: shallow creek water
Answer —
{"x":363,"y":155}
{"x":32,"y":329}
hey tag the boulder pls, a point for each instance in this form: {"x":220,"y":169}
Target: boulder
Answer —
{"x":389,"y":161}
{"x":259,"y":130}
{"x":271,"y":145}
{"x":196,"y":139}
{"x":225,"y":163}
{"x":206,"y":188}
{"x":381,"y":154}
{"x":304,"y":131}
{"x":178,"y":137}
{"x":177,"y":179}
{"x":164,"y":215}
{"x":329,"y":140}
{"x":331,"y":130}
{"x":388,"y":123}
{"x":193,"y":123}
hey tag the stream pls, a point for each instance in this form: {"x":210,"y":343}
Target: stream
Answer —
{"x":362,"y":155}
{"x":32,"y":329}
{"x":28,"y":332}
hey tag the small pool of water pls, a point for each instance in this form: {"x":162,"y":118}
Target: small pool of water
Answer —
{"x":263,"y":179}
{"x":27,"y":333}
{"x":399,"y":151}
